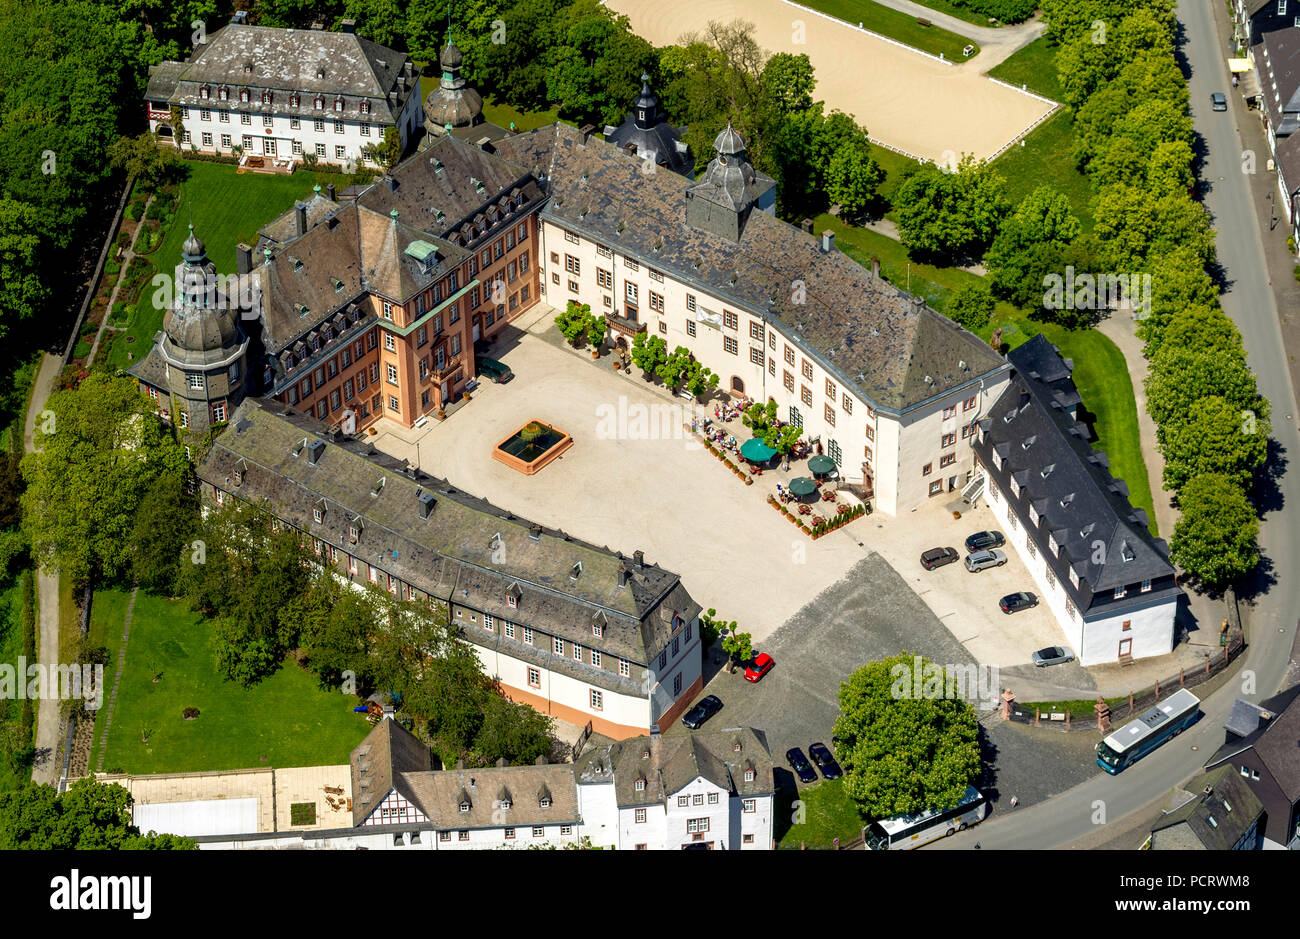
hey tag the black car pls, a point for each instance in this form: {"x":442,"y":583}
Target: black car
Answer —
{"x":1015,"y":602}
{"x":821,"y":755}
{"x":938,"y":557}
{"x":702,"y":712}
{"x":983,"y":540}
{"x":799,"y":763}
{"x":493,"y":370}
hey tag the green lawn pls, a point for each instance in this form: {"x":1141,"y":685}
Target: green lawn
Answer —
{"x":1045,"y":160}
{"x":827,"y":812}
{"x":897,"y":25}
{"x":11,"y":647}
{"x":1034,"y":66}
{"x":503,"y":114}
{"x":227,"y":208}
{"x":962,"y":13}
{"x":286,"y":720}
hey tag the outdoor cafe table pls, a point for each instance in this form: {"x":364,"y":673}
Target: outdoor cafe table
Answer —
{"x":756,"y":451}
{"x":821,"y":465}
{"x":802,"y":486}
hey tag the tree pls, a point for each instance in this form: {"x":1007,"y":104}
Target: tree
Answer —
{"x":971,"y":306}
{"x":1214,"y":437}
{"x":164,"y":524}
{"x":649,"y":353}
{"x":388,"y":151}
{"x":100,"y":453}
{"x":22,"y":291}
{"x":577,"y":324}
{"x":853,"y":177}
{"x":681,"y":368}
{"x":1203,"y":327}
{"x":1214,"y":539}
{"x":1180,"y":376}
{"x":950,"y":216}
{"x":89,"y":816}
{"x":335,"y":624}
{"x":738,"y":646}
{"x":762,"y":420}
{"x":516,"y":732}
{"x":144,"y":158}
{"x":904,"y":749}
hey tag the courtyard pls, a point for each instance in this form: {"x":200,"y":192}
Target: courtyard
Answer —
{"x":636,"y":479}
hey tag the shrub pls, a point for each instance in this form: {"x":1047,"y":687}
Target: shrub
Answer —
{"x":134,"y":210}
{"x":971,"y":306}
{"x":190,"y":713}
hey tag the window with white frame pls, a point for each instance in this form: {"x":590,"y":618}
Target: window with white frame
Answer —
{"x":528,"y":635}
{"x":557,"y":645}
{"x":639,"y":816}
{"x":625,"y":668}
{"x":597,"y":700}
{"x":694,"y":825}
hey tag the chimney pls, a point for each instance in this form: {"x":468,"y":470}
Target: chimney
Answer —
{"x":807,"y":225}
{"x":331,"y":193}
{"x":389,"y":183}
{"x":918,"y":304}
{"x":239,"y":17}
{"x":828,"y":241}
{"x":875,"y":268}
{"x":243,"y":259}
{"x":638,"y":559}
{"x":585,"y":132}
{"x":426,"y":504}
{"x":347,"y":26}
{"x":314,"y":451}
{"x":318,"y":25}
{"x":623,"y":574}
{"x":300,"y":213}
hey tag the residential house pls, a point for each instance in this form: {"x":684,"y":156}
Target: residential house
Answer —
{"x":1215,"y":812}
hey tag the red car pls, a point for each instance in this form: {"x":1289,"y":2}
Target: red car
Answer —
{"x":761,"y":665}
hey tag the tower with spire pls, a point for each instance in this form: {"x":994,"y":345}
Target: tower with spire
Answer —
{"x":730,"y":189}
{"x":646,"y":132}
{"x":199,"y":357}
{"x":453,"y":103}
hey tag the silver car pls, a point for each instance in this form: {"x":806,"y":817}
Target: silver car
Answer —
{"x":1052,"y":655}
{"x":977,"y":561}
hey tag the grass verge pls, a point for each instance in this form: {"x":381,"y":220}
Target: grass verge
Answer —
{"x":897,"y":25}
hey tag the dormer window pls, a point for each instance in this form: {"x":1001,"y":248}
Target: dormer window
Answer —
{"x":1028,"y":442}
{"x":1126,"y":552}
{"x":640,"y":784}
{"x":597,"y":631}
{"x":1066,"y":500}
{"x":338,"y":104}
{"x":295,"y":100}
{"x":354,"y":532}
{"x":1119,"y":592}
{"x":319,"y":103}
{"x":266,"y":97}
{"x":464,"y":806}
{"x":749,"y":775}
{"x":512,"y":596}
{"x":365,"y":107}
{"x":243,"y":95}
{"x":205,"y":92}
{"x":317,"y":515}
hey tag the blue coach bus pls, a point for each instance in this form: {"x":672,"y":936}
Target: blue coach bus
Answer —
{"x":1137,"y":738}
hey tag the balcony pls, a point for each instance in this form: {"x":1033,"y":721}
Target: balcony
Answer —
{"x":448,"y":367}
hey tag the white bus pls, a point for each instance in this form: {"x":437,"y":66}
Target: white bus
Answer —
{"x":912,"y":831}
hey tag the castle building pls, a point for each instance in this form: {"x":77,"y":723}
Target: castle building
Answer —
{"x":196,"y":368}
{"x":453,"y":103}
{"x":285,"y":94}
{"x":647,"y":133}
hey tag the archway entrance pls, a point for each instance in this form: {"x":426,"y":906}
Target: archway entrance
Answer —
{"x":737,"y":385}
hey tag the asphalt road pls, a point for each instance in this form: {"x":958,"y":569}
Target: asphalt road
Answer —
{"x":1104,"y":800}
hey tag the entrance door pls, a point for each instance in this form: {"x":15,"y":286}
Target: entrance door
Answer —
{"x":476,"y":329}
{"x":952,"y":483}
{"x":1125,"y":646}
{"x":446,"y":389}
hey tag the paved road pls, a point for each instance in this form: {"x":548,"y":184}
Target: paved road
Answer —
{"x":1250,"y":302}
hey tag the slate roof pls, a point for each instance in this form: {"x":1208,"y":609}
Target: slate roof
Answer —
{"x":1278,"y":61}
{"x":284,"y":227}
{"x":359,"y":249}
{"x":379,"y":764}
{"x":285,"y":61}
{"x":1276,"y":741}
{"x":862,"y":329}
{"x":652,"y":134}
{"x":1213,"y":820}
{"x":1102,"y":537}
{"x":441,"y":178}
{"x":449,"y":555}
{"x":675,"y":761}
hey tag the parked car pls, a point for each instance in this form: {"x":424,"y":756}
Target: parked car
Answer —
{"x":1052,"y":655}
{"x":984,"y":540}
{"x":702,"y":712}
{"x":977,"y":561}
{"x":493,"y":370}
{"x":1015,"y":602}
{"x":761,"y":665}
{"x":938,"y":557}
{"x":1218,"y":101}
{"x":825,"y":760}
{"x":799,"y":763}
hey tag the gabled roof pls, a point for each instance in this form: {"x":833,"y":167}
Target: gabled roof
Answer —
{"x":1278,"y":61}
{"x":898,"y":352}
{"x":1219,"y":810}
{"x":1276,"y":741}
{"x":1102,"y":537}
{"x":379,"y":763}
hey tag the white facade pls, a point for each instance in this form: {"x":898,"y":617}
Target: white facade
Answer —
{"x":329,"y":136}
{"x":711,"y":817}
{"x":1100,"y":639}
{"x":768,"y":360}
